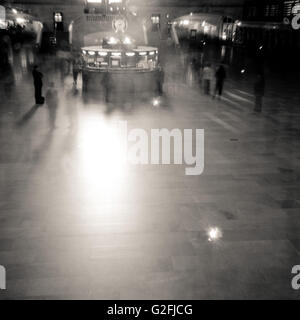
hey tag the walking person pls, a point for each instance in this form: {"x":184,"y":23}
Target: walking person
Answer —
{"x":64,"y":70}
{"x":38,"y":85}
{"x":160,"y":78}
{"x":220,"y":78}
{"x":259,"y":92}
{"x":76,"y":70}
{"x":52,"y":103}
{"x":207,"y":78}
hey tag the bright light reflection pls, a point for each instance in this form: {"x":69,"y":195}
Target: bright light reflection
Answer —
{"x":20,"y":20}
{"x":127,"y":40}
{"x":156,"y":102}
{"x":112,"y":40}
{"x":214,"y":234}
{"x":102,"y":164}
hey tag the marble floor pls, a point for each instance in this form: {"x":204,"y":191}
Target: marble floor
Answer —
{"x":75,"y":223}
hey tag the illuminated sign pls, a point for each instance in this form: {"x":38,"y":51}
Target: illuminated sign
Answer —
{"x":2,"y":278}
{"x":2,"y":13}
{"x":119,"y":25}
{"x":296,"y":18}
{"x":296,"y":9}
{"x":2,"y":18}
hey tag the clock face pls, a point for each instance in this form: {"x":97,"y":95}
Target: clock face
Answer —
{"x":119,"y":25}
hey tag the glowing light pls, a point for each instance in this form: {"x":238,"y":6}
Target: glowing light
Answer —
{"x":116,"y":54}
{"x":143,"y":53}
{"x":92,"y":53}
{"x":214,"y":234}
{"x":224,"y":36}
{"x":185,"y":22}
{"x":20,"y":20}
{"x":296,"y":9}
{"x":260,"y":48}
{"x":130,"y":54}
{"x":103,"y":54}
{"x":203,"y":24}
{"x":94,"y":1}
{"x":152,"y":53}
{"x":127,"y":40}
{"x":14,"y":11}
{"x":83,"y":51}
{"x":243,"y":71}
{"x":156,"y":102}
{"x":112,"y":40}
{"x":102,"y":159}
{"x":3,"y":24}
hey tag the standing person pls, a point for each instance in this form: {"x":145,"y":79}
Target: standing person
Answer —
{"x":207,"y":78}
{"x":259,"y":92}
{"x":38,"y":84}
{"x":220,"y":78}
{"x":52,"y":103}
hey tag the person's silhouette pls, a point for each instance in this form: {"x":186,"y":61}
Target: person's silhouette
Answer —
{"x":38,"y":84}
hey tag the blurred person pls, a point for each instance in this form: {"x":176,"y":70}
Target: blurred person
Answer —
{"x":52,"y":103}
{"x":160,"y":78}
{"x":220,"y":78}
{"x":76,"y":69}
{"x":4,"y":53}
{"x":64,"y":70}
{"x":8,"y":81}
{"x":207,"y":76}
{"x":108,"y":86}
{"x":197,"y":67}
{"x":38,"y":85}
{"x":72,"y":113}
{"x":259,"y":92}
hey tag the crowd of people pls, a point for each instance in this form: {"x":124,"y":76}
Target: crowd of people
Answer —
{"x":51,"y":98}
{"x":210,"y":78}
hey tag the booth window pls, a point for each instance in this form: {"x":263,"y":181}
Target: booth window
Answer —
{"x":155,"y":18}
{"x":272,"y":10}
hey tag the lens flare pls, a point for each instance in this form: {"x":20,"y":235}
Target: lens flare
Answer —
{"x":214,"y":234}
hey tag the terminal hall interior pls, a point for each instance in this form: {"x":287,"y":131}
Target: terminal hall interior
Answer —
{"x":149,"y":149}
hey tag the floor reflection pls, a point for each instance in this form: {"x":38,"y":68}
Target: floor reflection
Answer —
{"x":76,"y":221}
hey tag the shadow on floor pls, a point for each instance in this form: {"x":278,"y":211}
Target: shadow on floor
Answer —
{"x":27,"y":116}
